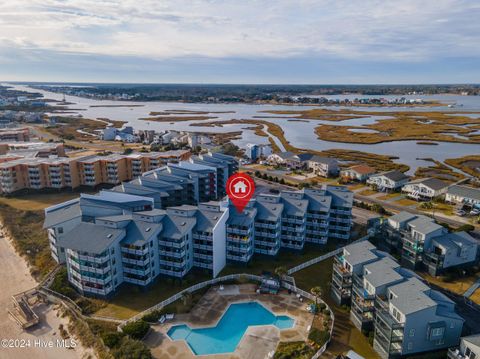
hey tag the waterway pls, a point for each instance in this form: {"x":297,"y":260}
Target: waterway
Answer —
{"x":299,"y":133}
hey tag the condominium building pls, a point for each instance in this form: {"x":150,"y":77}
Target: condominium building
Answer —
{"x":139,"y":237}
{"x":59,"y":172}
{"x":422,"y":243}
{"x":406,"y":315}
{"x":268,"y":222}
{"x":241,"y":234}
{"x":15,"y":134}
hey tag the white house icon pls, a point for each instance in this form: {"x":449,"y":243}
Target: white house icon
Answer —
{"x":240,"y":187}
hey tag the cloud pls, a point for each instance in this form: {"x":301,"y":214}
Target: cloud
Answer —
{"x":368,"y":30}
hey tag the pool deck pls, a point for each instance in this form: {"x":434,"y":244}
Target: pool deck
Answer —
{"x":257,"y":341}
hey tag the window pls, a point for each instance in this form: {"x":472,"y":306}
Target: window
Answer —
{"x":410,"y":345}
{"x":412,"y":332}
{"x":452,"y":325}
{"x":60,"y":230}
{"x":436,"y":332}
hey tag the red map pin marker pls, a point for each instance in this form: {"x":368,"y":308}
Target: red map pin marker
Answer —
{"x":240,"y":188}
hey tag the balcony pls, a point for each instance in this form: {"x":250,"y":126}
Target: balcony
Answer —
{"x":203,"y":265}
{"x":138,"y":262}
{"x":243,"y":258}
{"x":172,"y":273}
{"x":180,"y":254}
{"x":172,"y":244}
{"x":240,"y":249}
{"x":241,"y":232}
{"x":267,"y":226}
{"x":174,"y":264}
{"x":203,"y":247}
{"x":135,"y":251}
{"x":202,"y":237}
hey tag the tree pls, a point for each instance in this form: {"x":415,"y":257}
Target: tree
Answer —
{"x":136,"y":330}
{"x":131,"y":349}
{"x":281,"y":271}
{"x":316,"y":292}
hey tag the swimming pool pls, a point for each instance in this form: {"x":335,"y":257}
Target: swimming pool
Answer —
{"x":225,"y":336}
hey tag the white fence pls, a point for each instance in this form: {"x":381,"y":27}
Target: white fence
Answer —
{"x":322,"y":257}
{"x":332,"y":315}
{"x":191,"y":289}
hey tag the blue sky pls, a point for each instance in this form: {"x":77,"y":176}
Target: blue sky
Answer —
{"x":212,"y":41}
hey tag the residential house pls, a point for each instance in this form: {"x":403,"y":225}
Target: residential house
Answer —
{"x":463,"y":195}
{"x":358,"y":173}
{"x":425,"y":189}
{"x":388,"y":181}
{"x":469,"y":348}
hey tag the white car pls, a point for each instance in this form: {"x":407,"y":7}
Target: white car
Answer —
{"x":475,"y":212}
{"x":461,"y":213}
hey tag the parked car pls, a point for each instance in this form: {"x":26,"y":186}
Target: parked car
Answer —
{"x":461,"y":213}
{"x":475,"y":212}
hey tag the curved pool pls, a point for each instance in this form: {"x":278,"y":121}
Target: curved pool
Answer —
{"x":225,"y":336}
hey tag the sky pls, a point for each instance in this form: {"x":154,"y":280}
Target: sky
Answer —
{"x":247,"y":41}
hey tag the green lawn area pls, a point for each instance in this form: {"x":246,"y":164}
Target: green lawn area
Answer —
{"x":459,"y":285}
{"x":353,"y":187}
{"x":285,"y":258}
{"x":367,"y":192}
{"x":444,"y":208}
{"x":406,"y":202}
{"x":131,"y":300}
{"x":345,"y":335}
{"x":388,"y":196}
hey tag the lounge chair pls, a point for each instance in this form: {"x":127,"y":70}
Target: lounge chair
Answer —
{"x":162,"y":319}
{"x":170,"y":316}
{"x":222,"y":287}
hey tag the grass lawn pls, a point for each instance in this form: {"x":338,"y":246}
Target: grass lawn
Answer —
{"x":131,"y":300}
{"x":459,"y":285}
{"x":475,"y":297}
{"x":285,"y":258}
{"x":367,"y":192}
{"x":353,"y":187}
{"x":37,"y":201}
{"x":388,"y":196}
{"x":444,"y":208}
{"x":406,"y":202}
{"x":345,"y":335}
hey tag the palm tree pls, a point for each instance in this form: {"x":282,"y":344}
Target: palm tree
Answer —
{"x":316,"y":292}
{"x":281,"y":272}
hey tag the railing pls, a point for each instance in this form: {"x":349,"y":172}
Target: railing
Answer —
{"x":313,"y":298}
{"x":191,"y":289}
{"x":322,"y":257}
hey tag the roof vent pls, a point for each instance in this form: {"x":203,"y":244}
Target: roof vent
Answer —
{"x":148,"y":229}
{"x":183,"y":223}
{"x":274,"y":208}
{"x":215,"y":218}
{"x":109,"y":235}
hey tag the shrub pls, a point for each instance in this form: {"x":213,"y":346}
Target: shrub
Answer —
{"x":321,"y":307}
{"x":319,"y":337}
{"x":293,"y":350}
{"x":465,"y":228}
{"x":112,"y":339}
{"x":131,"y":349}
{"x":153,"y":316}
{"x":136,"y":330}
